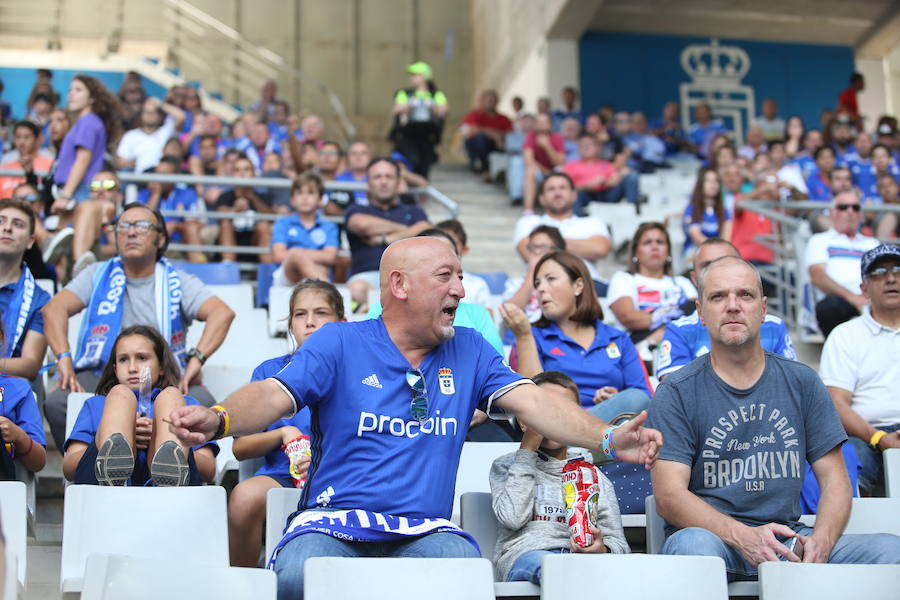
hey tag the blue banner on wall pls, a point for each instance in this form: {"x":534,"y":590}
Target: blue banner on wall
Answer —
{"x":643,"y":72}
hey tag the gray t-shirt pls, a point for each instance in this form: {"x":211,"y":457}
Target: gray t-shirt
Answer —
{"x":139,"y":306}
{"x":746,"y":448}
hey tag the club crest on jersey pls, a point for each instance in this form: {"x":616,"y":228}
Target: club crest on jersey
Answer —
{"x":445,"y":379}
{"x":612,"y":350}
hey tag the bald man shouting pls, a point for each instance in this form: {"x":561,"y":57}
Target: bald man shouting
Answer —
{"x":391,"y":399}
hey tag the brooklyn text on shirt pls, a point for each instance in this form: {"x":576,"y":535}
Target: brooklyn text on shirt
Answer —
{"x":759,"y":457}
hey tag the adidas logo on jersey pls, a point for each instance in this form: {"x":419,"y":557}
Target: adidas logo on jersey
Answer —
{"x":372,"y":380}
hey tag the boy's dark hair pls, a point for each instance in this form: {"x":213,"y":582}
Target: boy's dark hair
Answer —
{"x":22,"y":206}
{"x":557,"y":378}
{"x":308,"y":178}
{"x":30,"y":126}
{"x":439,"y":233}
{"x":456,"y":228}
{"x":553,"y":233}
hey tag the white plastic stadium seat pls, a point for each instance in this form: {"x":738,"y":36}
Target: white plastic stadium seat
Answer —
{"x":179,"y":524}
{"x":475,"y":468}
{"x":636,"y":576}
{"x":73,"y":406}
{"x":13,"y":515}
{"x":11,"y":589}
{"x":892,"y":473}
{"x":117,"y":577}
{"x":328,"y":578}
{"x":789,"y":581}
{"x":280,"y":502}
{"x":238,"y":297}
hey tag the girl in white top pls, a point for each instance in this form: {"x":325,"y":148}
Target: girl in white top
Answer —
{"x":646,"y":297}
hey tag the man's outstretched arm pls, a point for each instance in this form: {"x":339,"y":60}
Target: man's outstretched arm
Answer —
{"x":561,"y":420}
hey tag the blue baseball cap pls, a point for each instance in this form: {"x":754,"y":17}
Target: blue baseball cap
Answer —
{"x":877,"y":253}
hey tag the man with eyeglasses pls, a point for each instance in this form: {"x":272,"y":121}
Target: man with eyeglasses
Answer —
{"x":392,"y":399}
{"x":138,"y":286}
{"x":832,"y":258}
{"x":859,"y":367}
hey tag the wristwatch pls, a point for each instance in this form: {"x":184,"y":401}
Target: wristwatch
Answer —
{"x":195,"y":353}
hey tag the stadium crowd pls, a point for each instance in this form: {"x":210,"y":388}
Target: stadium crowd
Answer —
{"x":590,"y":344}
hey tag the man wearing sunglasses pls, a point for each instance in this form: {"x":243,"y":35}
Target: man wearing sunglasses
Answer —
{"x":138,"y":286}
{"x":859,"y":367}
{"x":832,"y":258}
{"x":392,"y":399}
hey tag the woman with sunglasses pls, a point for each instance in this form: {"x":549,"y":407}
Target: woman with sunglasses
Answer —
{"x":88,"y":232}
{"x":313,"y":303}
{"x":571,"y":337}
{"x":120,"y":436}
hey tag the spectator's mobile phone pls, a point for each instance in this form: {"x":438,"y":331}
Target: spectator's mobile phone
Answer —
{"x":790,"y":543}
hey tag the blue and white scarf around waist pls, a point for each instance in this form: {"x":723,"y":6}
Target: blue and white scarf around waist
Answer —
{"x":17,"y":312}
{"x":363,"y":526}
{"x":103,"y":321}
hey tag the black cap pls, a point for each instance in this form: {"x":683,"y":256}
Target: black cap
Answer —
{"x":875,"y":254}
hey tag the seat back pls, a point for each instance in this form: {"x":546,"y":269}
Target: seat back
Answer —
{"x":656,"y":533}
{"x":638,"y":576}
{"x":327,"y":578}
{"x":73,"y":407}
{"x":789,"y":581}
{"x":280,"y":502}
{"x":180,"y":524}
{"x":496,"y":281}
{"x":892,"y":472}
{"x":475,"y":467}
{"x":214,"y":273}
{"x":14,"y":519}
{"x":118,"y":577}
{"x":476,"y":516}
{"x":238,"y":296}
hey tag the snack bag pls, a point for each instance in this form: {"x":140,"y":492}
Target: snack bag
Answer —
{"x":295,"y":449}
{"x":582,"y":493}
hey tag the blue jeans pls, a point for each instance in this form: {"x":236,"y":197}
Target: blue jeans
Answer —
{"x":289,"y":564}
{"x":858,"y":549}
{"x":478,"y":149}
{"x":632,"y":400}
{"x":871,"y":478}
{"x":515,"y":176}
{"x":528,"y":566}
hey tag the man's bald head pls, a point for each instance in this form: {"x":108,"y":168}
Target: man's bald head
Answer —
{"x":408,"y":255}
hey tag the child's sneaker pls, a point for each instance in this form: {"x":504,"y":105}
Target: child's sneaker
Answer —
{"x":169,"y":466}
{"x":115,"y":461}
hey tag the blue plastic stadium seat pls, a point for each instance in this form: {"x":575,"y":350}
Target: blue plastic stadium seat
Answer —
{"x":216,"y":96}
{"x":213,"y":273}
{"x":264,"y":282}
{"x":496,"y":281}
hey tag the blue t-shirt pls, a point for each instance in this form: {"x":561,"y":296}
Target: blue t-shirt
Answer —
{"x":361,"y":196}
{"x":701,"y":135}
{"x":368,"y":452}
{"x":17,"y":404}
{"x":610,"y":360}
{"x":806,"y":164}
{"x":277,"y":464}
{"x":34,"y":321}
{"x":746,"y":447}
{"x":290,"y":231}
{"x":181,"y":197}
{"x":675,"y":132}
{"x":365,"y":257}
{"x":709,"y":225}
{"x":865,"y":177}
{"x":88,"y":422}
{"x":686,"y":339}
{"x":819,"y":187}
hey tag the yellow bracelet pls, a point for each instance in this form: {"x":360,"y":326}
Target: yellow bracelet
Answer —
{"x":876,"y":437}
{"x":226,"y":420}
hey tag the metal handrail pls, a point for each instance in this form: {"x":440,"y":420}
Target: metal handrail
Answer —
{"x":263,"y":57}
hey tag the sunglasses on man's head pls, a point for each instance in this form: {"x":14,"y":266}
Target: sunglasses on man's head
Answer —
{"x":853,"y":207}
{"x":419,"y":404}
{"x":104,"y":184}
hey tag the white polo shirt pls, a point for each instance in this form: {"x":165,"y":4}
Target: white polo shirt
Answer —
{"x":575,"y":228}
{"x":841,"y":256}
{"x":860,"y":356}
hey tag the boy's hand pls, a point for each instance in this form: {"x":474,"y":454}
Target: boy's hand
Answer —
{"x":531,"y":440}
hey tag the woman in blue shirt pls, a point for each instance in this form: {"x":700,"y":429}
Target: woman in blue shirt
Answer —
{"x":119,"y":429}
{"x":705,"y":215}
{"x":313,"y":303}
{"x":21,"y":426}
{"x":571,"y":337}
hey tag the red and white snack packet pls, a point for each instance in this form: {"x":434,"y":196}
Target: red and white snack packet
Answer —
{"x":295,"y":450}
{"x":582,"y":493}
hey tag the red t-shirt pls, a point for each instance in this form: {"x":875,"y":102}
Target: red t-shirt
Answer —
{"x":582,"y":171}
{"x":540,"y":155}
{"x":484,"y":120}
{"x":746,"y":226}
{"x":847,"y":99}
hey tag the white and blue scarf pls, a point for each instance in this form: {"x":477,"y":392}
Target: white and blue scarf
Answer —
{"x":104,"y":313}
{"x":16,"y":316}
{"x":363,"y":526}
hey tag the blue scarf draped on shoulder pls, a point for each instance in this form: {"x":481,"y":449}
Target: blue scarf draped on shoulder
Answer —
{"x":103,"y":319}
{"x":16,"y":315}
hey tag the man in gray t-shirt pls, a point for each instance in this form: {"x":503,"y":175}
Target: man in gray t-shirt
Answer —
{"x":141,"y":240}
{"x":738,"y":424}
